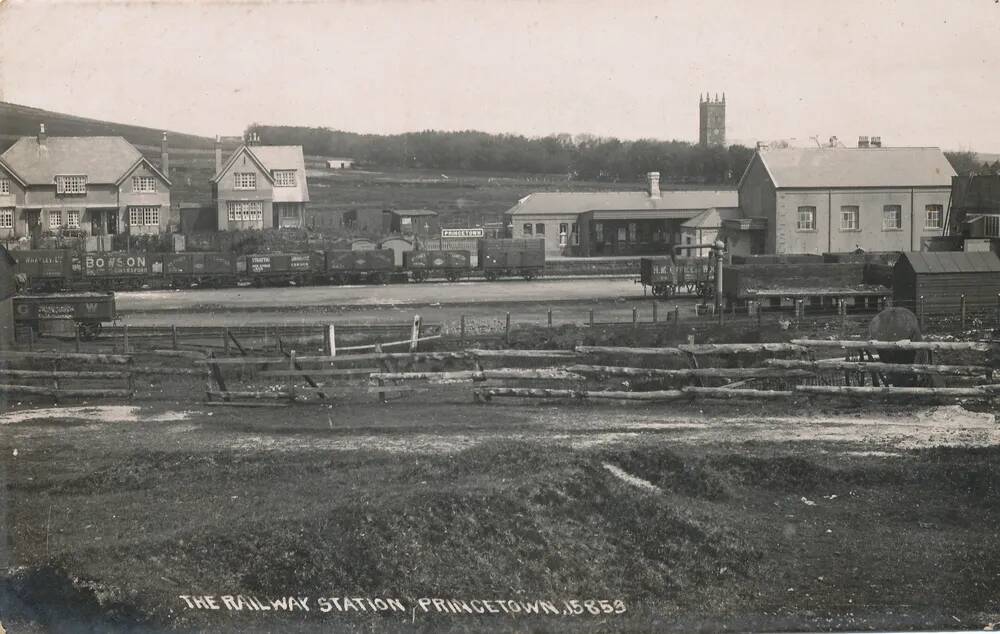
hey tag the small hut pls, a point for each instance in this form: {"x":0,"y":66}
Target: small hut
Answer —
{"x":943,"y":277}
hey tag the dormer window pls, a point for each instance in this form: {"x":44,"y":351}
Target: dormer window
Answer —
{"x":71,"y":184}
{"x":284,"y":178}
{"x":143,"y":184}
{"x":4,"y":185}
{"x":245,"y":180}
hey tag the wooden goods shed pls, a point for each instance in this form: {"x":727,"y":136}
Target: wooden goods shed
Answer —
{"x":942,"y":277}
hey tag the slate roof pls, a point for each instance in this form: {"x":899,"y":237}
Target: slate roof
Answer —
{"x":542,"y":203}
{"x":103,"y":159}
{"x":711,"y":218}
{"x":952,"y":261}
{"x":856,"y":167}
{"x":413,"y":212}
{"x":277,"y":157}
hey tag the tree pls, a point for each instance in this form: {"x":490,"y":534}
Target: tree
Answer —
{"x":964,"y":163}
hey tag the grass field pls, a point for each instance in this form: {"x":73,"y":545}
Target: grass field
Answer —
{"x":742,"y":519}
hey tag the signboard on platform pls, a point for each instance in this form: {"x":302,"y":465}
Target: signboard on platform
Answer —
{"x":462,"y":233}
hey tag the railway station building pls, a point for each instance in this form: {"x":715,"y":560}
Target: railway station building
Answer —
{"x":590,"y":224}
{"x":80,"y":187}
{"x":260,"y":186}
{"x":836,"y":199}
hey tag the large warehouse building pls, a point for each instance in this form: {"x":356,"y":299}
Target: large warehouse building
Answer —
{"x":832,"y":199}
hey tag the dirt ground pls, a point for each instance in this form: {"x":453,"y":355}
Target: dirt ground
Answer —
{"x":693,"y":517}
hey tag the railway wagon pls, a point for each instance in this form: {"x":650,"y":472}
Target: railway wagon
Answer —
{"x":269,"y":269}
{"x":64,"y":313}
{"x":818,"y":284}
{"x":121,"y":270}
{"x":672,"y":276}
{"x":202,"y":269}
{"x":373,"y":266}
{"x":450,"y":264}
{"x":524,"y":257}
{"x":46,"y":269}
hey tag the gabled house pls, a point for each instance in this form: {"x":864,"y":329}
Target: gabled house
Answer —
{"x":96,"y":185}
{"x":260,"y":186}
{"x":836,"y":199}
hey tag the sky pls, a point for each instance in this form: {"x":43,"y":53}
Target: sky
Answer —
{"x":915,"y":72}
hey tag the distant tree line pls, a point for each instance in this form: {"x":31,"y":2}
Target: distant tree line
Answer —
{"x":583,"y":157}
{"x":967,"y":163}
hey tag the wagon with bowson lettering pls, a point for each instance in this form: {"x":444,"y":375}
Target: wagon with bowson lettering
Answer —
{"x":64,"y":314}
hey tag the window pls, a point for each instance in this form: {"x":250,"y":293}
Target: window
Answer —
{"x":73,"y":219}
{"x":540,"y":229}
{"x":143,"y":184}
{"x":622,"y":234}
{"x":4,"y":186}
{"x":290,"y":211}
{"x":633,"y":232}
{"x":575,"y":234}
{"x":55,"y":219}
{"x":71,"y":184}
{"x":527,"y":228}
{"x":935,"y":217}
{"x":807,"y":219}
{"x":245,"y":180}
{"x":850,"y":218}
{"x":991,"y":226}
{"x":245,"y":211}
{"x":7,"y":218}
{"x":599,"y":231}
{"x":143,"y":216}
{"x":284,"y":178}
{"x":563,"y":233}
{"x":892,"y":217}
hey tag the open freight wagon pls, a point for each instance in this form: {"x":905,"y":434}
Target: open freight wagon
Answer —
{"x":667,"y":277}
{"x":63,"y":314}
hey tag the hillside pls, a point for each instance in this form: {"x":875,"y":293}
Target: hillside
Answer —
{"x":17,"y":120}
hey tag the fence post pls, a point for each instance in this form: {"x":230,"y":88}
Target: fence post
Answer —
{"x":225,"y":340}
{"x":382,"y":365}
{"x":677,"y":314}
{"x":507,"y":330}
{"x":635,"y":317}
{"x":55,"y":381}
{"x":330,"y":342}
{"x":461,"y":331}
{"x":550,"y":318}
{"x":77,"y":338}
{"x":592,"y":313}
{"x":173,"y":335}
{"x":31,"y":338}
{"x":130,"y":373}
{"x":125,"y":339}
{"x":415,"y":333}
{"x":291,"y":375}
{"x":920,"y":311}
{"x":961,"y":303}
{"x":654,"y":311}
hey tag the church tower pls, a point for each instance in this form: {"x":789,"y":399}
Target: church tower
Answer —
{"x":712,"y":120}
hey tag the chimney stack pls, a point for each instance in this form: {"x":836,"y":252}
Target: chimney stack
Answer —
{"x":863,"y":141}
{"x":876,"y":141}
{"x":41,"y":134}
{"x":653,"y":178}
{"x":218,"y":154}
{"x":164,"y":158}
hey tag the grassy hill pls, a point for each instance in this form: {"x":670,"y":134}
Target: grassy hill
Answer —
{"x":17,"y":120}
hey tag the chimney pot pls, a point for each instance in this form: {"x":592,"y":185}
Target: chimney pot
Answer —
{"x":863,"y":141}
{"x":653,"y":180}
{"x":218,"y":154}
{"x":164,"y":157}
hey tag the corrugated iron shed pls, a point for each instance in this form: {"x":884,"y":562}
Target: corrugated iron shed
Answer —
{"x":952,"y":262}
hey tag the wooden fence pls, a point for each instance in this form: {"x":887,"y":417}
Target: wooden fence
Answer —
{"x":695,"y":371}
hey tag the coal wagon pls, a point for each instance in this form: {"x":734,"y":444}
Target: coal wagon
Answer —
{"x":269,"y":269}
{"x":506,"y":257}
{"x":373,"y":266}
{"x":451,"y":265}
{"x":667,"y":276}
{"x":64,"y":314}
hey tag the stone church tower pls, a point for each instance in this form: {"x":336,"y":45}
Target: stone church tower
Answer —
{"x":712,"y":121}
